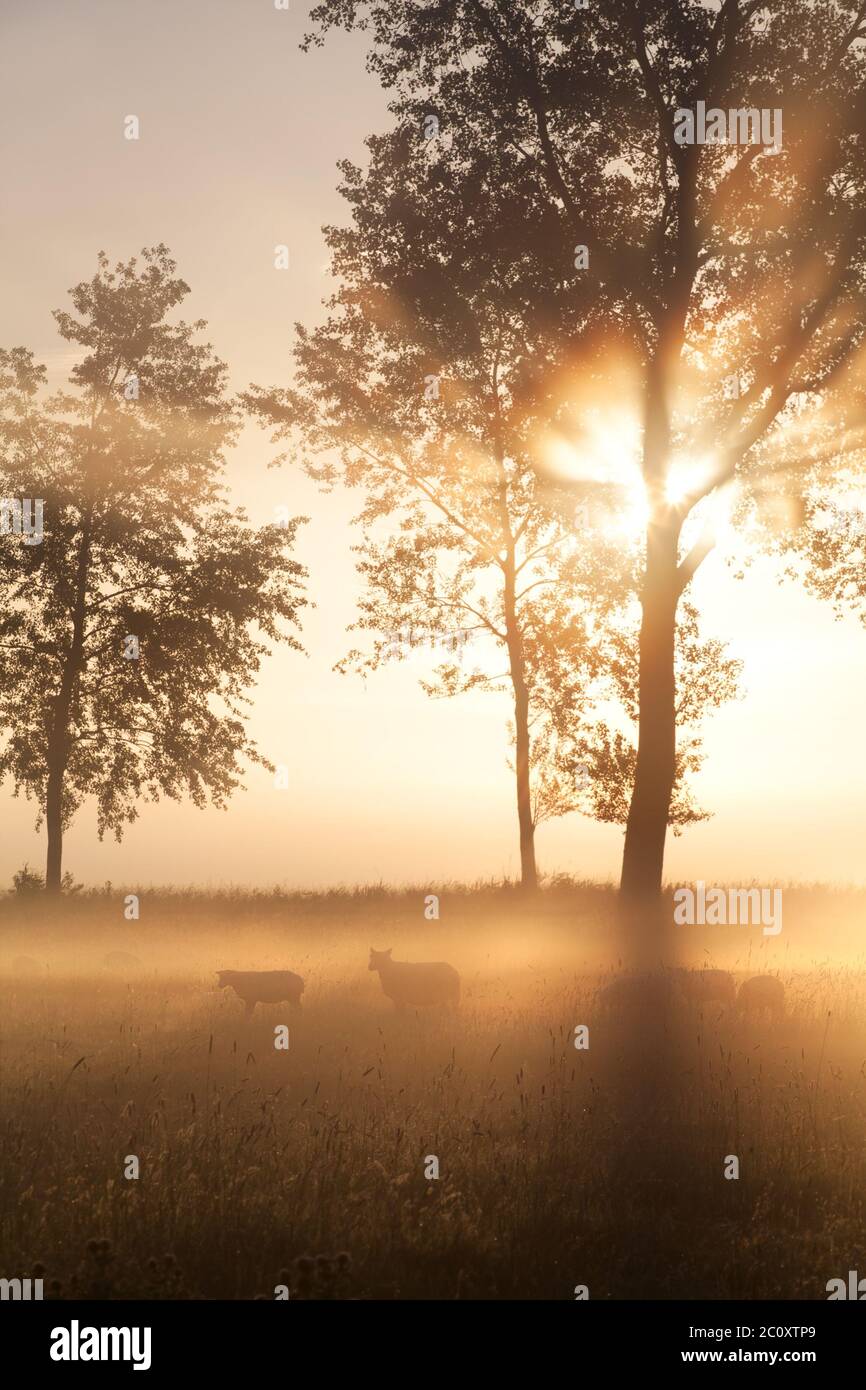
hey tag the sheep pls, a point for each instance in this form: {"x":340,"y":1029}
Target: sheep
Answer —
{"x":706,"y":986}
{"x":637,"y":992}
{"x":262,"y":986}
{"x":762,"y":994}
{"x":424,"y":983}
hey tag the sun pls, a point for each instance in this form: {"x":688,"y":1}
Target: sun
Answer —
{"x":606,"y":451}
{"x":685,"y":477}
{"x":609,"y":453}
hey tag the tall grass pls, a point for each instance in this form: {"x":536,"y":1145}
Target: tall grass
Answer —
{"x":262,"y":1167}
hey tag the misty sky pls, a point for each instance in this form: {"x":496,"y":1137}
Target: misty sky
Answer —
{"x":240,"y":135}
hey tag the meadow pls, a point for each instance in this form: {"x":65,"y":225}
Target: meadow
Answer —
{"x":306,"y":1167}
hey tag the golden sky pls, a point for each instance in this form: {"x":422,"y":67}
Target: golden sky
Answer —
{"x":240,"y":134}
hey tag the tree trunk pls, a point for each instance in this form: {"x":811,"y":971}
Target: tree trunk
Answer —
{"x":59,"y":740}
{"x":58,"y":756}
{"x":54,"y":827}
{"x":646,"y":829}
{"x":528,"y":868}
{"x":517,"y":668}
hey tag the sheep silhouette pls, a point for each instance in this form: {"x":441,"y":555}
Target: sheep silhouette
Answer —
{"x":763,"y":994}
{"x":262,"y":986}
{"x":423,"y":983}
{"x":706,"y":986}
{"x":637,"y":993}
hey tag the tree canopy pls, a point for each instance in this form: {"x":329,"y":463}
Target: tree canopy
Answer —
{"x":129,"y":637}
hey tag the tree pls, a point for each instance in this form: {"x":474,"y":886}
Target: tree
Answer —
{"x":422,"y":388}
{"x":411,"y":391}
{"x":131,"y":632}
{"x":733,"y":271}
{"x":706,"y":678}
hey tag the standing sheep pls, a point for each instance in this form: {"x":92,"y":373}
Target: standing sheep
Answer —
{"x":263,"y":986}
{"x":423,"y":983}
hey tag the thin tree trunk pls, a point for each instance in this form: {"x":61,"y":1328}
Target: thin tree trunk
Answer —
{"x":54,"y":827}
{"x":517,"y":668}
{"x":58,"y":756}
{"x":516,"y":661}
{"x":59,"y":740}
{"x":528,"y":868}
{"x":646,"y":829}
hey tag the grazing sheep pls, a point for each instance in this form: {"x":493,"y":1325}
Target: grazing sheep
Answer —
{"x":706,"y":986}
{"x":762,"y":994}
{"x":121,"y":960}
{"x":638,"y":993}
{"x":424,"y":983}
{"x":262,"y":986}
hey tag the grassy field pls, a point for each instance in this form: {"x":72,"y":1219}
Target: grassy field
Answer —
{"x":306,"y":1167}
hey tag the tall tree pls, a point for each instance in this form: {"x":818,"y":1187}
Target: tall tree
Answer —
{"x":131,"y":632}
{"x":734,"y":270}
{"x":706,"y":678}
{"x":422,"y":388}
{"x":412,"y":391}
